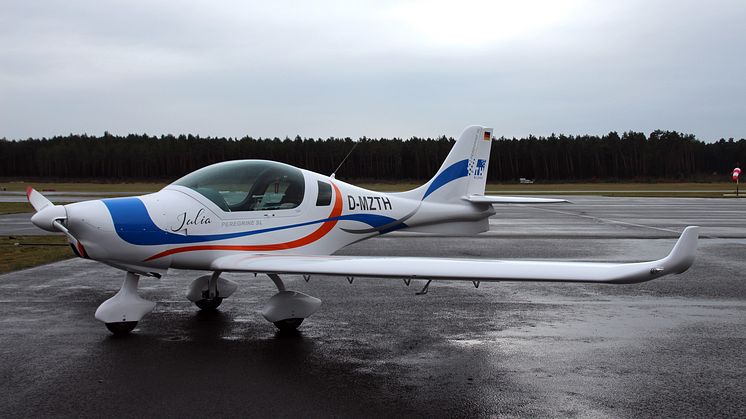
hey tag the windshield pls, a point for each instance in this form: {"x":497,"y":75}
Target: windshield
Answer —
{"x":248,"y":185}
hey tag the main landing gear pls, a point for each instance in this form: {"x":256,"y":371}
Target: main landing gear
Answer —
{"x":121,"y":312}
{"x":208,"y":291}
{"x":288,"y":309}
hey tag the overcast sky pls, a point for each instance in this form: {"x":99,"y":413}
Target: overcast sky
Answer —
{"x":378,"y":68}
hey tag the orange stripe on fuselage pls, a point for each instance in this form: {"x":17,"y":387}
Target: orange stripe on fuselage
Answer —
{"x":325,"y":228}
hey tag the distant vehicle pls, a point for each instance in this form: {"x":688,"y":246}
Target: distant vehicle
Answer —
{"x":524,"y":180}
{"x":258,"y":216}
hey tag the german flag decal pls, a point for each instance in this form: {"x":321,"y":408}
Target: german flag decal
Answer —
{"x":487,"y":135}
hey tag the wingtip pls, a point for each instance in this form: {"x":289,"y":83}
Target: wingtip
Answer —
{"x":683,"y":252}
{"x":691,"y":230}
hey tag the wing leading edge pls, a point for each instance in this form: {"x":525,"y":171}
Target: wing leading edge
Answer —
{"x":678,"y":260}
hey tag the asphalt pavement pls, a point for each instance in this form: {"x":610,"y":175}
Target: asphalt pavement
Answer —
{"x":674,"y":347}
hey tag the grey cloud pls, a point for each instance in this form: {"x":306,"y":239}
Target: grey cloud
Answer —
{"x":349,"y":69}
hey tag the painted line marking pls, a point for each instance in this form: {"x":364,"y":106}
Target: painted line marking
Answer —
{"x":605,"y":220}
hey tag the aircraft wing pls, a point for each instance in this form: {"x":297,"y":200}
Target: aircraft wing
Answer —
{"x":492,"y":199}
{"x":679,"y":260}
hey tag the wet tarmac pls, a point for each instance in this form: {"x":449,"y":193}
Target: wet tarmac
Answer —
{"x":19,"y":225}
{"x":675,"y":346}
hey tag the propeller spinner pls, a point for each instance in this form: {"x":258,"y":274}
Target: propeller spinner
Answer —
{"x":47,"y":215}
{"x":50,"y":217}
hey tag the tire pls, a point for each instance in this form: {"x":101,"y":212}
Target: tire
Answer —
{"x":208,"y":305}
{"x":288,"y":325}
{"x":121,"y":328}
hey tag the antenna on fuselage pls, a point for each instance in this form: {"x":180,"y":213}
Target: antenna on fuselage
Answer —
{"x":343,"y":161}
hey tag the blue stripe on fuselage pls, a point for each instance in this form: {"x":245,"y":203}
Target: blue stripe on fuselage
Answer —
{"x":455,"y":171}
{"x":134,"y":225}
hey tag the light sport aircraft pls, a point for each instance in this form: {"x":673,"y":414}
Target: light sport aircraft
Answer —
{"x":259,"y":216}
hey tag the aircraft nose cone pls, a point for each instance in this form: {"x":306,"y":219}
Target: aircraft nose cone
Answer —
{"x":44,"y":218}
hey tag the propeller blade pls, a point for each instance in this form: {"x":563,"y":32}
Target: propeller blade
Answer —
{"x":37,"y":200}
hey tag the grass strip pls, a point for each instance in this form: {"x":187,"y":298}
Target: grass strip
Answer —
{"x":15,"y":207}
{"x":21,"y":252}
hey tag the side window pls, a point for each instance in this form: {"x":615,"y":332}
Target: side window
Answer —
{"x":325,"y":194}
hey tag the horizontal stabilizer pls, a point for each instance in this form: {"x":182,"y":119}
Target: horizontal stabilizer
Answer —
{"x":679,"y":260}
{"x":492,"y":199}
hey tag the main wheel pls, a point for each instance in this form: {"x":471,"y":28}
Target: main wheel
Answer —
{"x":288,"y":325}
{"x":121,"y":328}
{"x":209,"y":304}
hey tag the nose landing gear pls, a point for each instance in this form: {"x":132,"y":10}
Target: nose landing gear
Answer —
{"x":121,"y":312}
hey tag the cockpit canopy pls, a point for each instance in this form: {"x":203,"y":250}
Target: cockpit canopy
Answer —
{"x":248,"y":185}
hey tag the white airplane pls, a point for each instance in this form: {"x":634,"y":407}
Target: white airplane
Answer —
{"x":258,"y":216}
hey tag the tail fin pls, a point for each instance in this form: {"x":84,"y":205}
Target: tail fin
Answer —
{"x":463,"y":173}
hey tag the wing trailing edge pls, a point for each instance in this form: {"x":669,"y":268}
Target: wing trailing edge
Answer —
{"x":678,"y":260}
{"x":492,"y":199}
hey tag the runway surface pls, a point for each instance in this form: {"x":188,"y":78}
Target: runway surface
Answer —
{"x":675,"y":346}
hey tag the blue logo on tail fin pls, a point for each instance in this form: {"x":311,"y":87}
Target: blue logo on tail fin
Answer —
{"x":479,"y":168}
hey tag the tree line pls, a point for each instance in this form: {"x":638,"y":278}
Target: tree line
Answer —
{"x":631,"y":156}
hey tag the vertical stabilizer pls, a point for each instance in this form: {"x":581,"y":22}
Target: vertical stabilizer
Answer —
{"x":464,"y":172}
